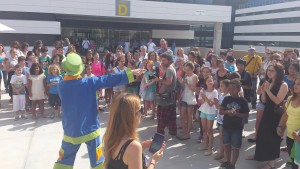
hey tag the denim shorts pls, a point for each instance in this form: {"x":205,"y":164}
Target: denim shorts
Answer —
{"x":207,"y":116}
{"x":184,"y":104}
{"x":219,"y":125}
{"x":233,"y":137}
{"x":260,"y":106}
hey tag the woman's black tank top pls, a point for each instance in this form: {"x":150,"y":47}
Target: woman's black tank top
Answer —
{"x":118,"y":163}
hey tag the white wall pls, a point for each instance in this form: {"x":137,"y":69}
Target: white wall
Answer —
{"x":268,"y":38}
{"x":258,"y":48}
{"x":173,"y":34}
{"x":291,"y":27}
{"x":139,"y":9}
{"x":268,"y":16}
{"x":31,"y":27}
{"x":269,"y":7}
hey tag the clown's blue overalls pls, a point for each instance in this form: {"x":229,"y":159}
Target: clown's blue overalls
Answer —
{"x":80,"y":116}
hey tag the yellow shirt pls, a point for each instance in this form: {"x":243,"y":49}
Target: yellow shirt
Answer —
{"x":293,"y":121}
{"x":254,"y":66}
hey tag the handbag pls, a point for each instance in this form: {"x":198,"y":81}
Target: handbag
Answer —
{"x":165,"y":99}
{"x":280,"y":108}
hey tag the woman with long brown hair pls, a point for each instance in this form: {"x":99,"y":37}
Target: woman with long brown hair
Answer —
{"x":274,"y":92}
{"x":121,"y":143}
{"x":291,"y":118}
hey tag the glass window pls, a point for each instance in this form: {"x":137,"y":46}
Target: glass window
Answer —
{"x":108,"y":38}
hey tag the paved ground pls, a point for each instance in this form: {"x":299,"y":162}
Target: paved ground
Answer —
{"x":29,"y":144}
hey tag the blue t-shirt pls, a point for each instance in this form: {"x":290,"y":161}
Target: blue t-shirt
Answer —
{"x":1,"y":61}
{"x":50,"y":79}
{"x":25,"y":70}
{"x":290,"y":83}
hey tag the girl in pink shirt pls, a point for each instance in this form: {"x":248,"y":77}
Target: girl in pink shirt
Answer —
{"x":98,"y":69}
{"x":97,"y":66}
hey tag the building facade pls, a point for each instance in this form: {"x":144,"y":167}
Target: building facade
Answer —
{"x":267,"y":23}
{"x":109,"y":22}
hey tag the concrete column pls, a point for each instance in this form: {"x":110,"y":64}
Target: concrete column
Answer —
{"x":217,"y":37}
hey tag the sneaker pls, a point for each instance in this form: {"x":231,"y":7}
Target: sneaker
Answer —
{"x":199,"y":140}
{"x":219,"y":157}
{"x":24,"y":117}
{"x":17,"y":118}
{"x":289,"y":163}
{"x":225,"y":165}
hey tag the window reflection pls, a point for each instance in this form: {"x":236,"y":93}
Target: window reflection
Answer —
{"x":108,"y":38}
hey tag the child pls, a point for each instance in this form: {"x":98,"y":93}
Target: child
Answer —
{"x":36,"y":87}
{"x":204,"y":73}
{"x":188,"y":100}
{"x":149,"y":88}
{"x":30,"y":58}
{"x":120,"y":68}
{"x":88,"y":71}
{"x":1,"y":68}
{"x":236,"y":76}
{"x":245,"y":78}
{"x":234,"y":109}
{"x":98,"y":69}
{"x":45,"y":59}
{"x":25,"y":71}
{"x":134,"y":86}
{"x":296,"y":135}
{"x":208,"y":98}
{"x":108,"y":63}
{"x":52,"y":82}
{"x":18,"y":82}
{"x":224,"y":84}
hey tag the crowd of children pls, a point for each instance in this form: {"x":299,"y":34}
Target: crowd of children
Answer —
{"x":208,"y":88}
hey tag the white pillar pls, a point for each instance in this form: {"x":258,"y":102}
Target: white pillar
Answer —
{"x":217,"y":37}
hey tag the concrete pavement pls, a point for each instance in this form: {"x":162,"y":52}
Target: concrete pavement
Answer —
{"x":29,"y":144}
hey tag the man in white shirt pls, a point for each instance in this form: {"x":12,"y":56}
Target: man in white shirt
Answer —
{"x":85,"y":44}
{"x":151,"y":46}
{"x":143,"y":53}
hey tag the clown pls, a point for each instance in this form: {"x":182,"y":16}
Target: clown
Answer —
{"x":79,"y":107}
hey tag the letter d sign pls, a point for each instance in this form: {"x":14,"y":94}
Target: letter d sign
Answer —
{"x":122,"y":8}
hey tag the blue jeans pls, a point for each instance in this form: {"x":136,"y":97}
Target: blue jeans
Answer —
{"x":232,"y":137}
{"x":253,"y":91}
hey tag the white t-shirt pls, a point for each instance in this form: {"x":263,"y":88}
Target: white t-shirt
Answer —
{"x":18,"y":82}
{"x":85,"y":44}
{"x":205,"y":108}
{"x":188,"y":95}
{"x":127,"y":46}
{"x":120,"y":88}
{"x":151,"y":47}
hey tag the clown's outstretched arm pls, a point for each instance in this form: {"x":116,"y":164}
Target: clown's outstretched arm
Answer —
{"x":116,"y":79}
